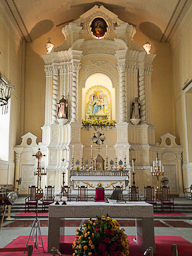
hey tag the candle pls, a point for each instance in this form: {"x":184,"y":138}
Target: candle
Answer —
{"x":91,"y":150}
{"x":106,"y":150}
{"x":72,"y":151}
{"x":82,"y":150}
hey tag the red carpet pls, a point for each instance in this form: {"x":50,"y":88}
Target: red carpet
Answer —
{"x":31,"y":213}
{"x":163,"y":246}
{"x":176,"y":214}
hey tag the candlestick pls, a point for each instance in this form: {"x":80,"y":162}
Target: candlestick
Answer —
{"x":91,"y":150}
{"x":72,"y":151}
{"x":133,"y":165}
{"x":106,"y":150}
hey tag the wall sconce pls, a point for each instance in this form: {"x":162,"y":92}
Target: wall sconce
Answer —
{"x":147,"y":47}
{"x":49,"y":46}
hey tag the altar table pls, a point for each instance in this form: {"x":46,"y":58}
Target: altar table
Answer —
{"x":141,"y":211}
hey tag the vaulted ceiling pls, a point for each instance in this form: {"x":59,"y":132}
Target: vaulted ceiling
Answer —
{"x":157,"y":19}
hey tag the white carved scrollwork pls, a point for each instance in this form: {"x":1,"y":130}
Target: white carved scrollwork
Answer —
{"x":142,"y":93}
{"x":122,"y":93}
{"x":54,"y":96}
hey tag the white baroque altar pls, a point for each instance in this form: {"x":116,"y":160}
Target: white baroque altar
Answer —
{"x":110,"y":71}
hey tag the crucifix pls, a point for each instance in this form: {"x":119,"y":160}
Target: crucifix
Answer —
{"x":39,"y":155}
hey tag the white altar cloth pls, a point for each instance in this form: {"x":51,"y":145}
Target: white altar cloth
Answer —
{"x":142,"y":211}
{"x":92,"y":181}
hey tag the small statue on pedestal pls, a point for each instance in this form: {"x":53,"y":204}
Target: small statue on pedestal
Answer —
{"x":135,"y":117}
{"x":63,"y":108}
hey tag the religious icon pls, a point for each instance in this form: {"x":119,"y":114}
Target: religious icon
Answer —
{"x":98,"y":104}
{"x":98,"y":27}
{"x":63,"y":108}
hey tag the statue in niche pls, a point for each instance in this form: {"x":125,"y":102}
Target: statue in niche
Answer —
{"x":98,"y":104}
{"x":135,"y":117}
{"x":98,"y":27}
{"x":63,"y":108}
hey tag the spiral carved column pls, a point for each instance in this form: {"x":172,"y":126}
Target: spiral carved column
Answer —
{"x":142,"y":93}
{"x":74,"y":93}
{"x":123,"y":113}
{"x":54,"y":96}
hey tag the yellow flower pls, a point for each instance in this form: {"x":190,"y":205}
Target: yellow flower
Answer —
{"x":90,"y":253}
{"x":108,"y":218}
{"x":103,"y":217}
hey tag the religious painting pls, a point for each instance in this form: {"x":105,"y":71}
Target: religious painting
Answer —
{"x":99,"y":27}
{"x":98,"y":106}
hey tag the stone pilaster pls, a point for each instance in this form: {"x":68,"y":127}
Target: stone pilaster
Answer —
{"x":122,"y":146}
{"x":120,"y":55}
{"x":48,"y":94}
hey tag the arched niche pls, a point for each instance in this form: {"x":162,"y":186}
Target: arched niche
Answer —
{"x":103,"y":82}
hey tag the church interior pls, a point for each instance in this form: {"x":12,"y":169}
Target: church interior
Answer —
{"x":95,"y":103}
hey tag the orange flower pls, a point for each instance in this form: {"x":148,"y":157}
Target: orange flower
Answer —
{"x":85,"y":247}
{"x":90,"y":253}
{"x":78,"y":242}
{"x":90,"y":242}
{"x":92,"y":246}
{"x":77,"y":229}
{"x":93,"y":234}
{"x":77,"y":233}
{"x":79,"y":237}
{"x":80,"y":247}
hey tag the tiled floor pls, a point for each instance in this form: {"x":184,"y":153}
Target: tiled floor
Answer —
{"x":164,"y":226}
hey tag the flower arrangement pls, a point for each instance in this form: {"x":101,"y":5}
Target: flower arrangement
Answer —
{"x":77,"y":168}
{"x":98,"y":123}
{"x":101,"y":237}
{"x":121,"y":168}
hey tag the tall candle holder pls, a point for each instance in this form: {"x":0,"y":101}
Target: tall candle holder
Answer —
{"x":107,"y":165}
{"x":82,"y":167}
{"x":157,"y":170}
{"x":125,"y":164}
{"x":39,"y":173}
{"x":133,"y":170}
{"x":91,"y":166}
{"x":116,"y":166}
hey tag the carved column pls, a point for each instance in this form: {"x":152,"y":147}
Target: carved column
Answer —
{"x":75,"y":69}
{"x":54,"y":96}
{"x":142,"y":92}
{"x":148,"y":72}
{"x":123,"y":113}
